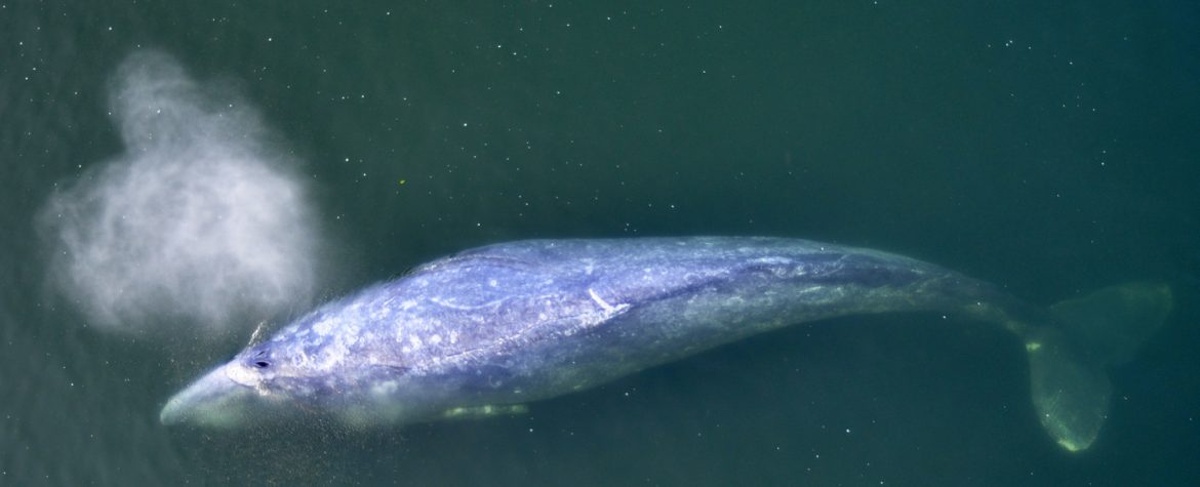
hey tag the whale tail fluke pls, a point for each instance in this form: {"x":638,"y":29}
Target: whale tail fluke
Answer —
{"x":1068,"y":360}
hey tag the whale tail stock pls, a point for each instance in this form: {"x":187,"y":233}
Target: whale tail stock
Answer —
{"x":1068,"y":359}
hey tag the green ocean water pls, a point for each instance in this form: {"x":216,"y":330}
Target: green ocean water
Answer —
{"x":1050,"y":149}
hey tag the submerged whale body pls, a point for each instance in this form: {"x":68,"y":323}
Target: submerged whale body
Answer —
{"x":492,"y":328}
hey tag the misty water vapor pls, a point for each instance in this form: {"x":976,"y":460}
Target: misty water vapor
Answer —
{"x":201,"y":222}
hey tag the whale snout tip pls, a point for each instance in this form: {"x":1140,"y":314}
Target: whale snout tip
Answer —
{"x":177,"y":411}
{"x":171,"y":414}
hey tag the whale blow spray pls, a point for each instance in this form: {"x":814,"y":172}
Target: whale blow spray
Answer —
{"x":201,"y":222}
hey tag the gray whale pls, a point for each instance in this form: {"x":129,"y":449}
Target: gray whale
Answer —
{"x":496,"y":327}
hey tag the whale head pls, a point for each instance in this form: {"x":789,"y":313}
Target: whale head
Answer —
{"x":300,"y":372}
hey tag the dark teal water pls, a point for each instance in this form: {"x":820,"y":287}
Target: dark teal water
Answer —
{"x":1051,"y":149}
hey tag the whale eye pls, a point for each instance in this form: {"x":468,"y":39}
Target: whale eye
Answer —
{"x":262,"y":364}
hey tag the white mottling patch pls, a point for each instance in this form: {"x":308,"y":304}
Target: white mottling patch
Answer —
{"x":493,"y":283}
{"x":408,"y":304}
{"x":381,"y":315}
{"x":415,"y":341}
{"x":436,"y":339}
{"x":453,"y":337}
{"x":241,"y":375}
{"x":323,"y":327}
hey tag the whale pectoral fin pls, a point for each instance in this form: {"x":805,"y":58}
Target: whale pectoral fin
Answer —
{"x":1067,"y":360}
{"x":485,"y":411}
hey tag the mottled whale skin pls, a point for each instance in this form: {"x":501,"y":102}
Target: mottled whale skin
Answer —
{"x":517,"y":322}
